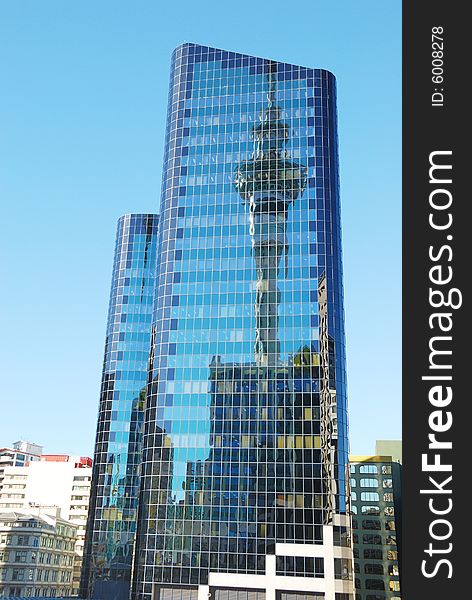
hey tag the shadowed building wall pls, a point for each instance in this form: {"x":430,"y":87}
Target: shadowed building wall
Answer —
{"x":112,"y":516}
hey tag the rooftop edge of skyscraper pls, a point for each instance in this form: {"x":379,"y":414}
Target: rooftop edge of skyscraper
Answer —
{"x":220,"y":53}
{"x":138,"y":217}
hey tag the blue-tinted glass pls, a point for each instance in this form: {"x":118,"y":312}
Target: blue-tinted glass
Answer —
{"x":245,"y":435}
{"x":113,"y":508}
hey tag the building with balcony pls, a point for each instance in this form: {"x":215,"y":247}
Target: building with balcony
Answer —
{"x":55,"y":482}
{"x":18,"y":455}
{"x":37,"y":553}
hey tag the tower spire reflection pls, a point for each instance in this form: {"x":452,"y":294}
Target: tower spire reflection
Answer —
{"x":269,"y":183}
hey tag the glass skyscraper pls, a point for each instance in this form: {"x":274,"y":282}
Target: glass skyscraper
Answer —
{"x":244,"y":476}
{"x":111,"y":526}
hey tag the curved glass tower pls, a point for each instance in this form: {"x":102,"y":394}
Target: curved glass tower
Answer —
{"x":244,"y":487}
{"x":111,"y":525}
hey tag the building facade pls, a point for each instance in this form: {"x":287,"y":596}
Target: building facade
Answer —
{"x":244,"y":481}
{"x":22,"y":453}
{"x":55,"y":482}
{"x":36,"y":555}
{"x":113,"y":508}
{"x":376,"y":523}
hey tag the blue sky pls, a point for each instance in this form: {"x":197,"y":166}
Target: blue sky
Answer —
{"x":82,"y":116}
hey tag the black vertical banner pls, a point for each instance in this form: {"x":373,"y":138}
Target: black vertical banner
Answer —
{"x":437,"y":247}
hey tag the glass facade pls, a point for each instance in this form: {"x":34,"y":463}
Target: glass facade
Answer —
{"x":244,"y":477}
{"x":376,"y":523}
{"x":111,"y":526}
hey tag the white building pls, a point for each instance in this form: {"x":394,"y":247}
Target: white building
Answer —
{"x":20,"y":454}
{"x":53,"y":482}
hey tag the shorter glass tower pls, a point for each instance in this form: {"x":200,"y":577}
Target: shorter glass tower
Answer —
{"x":111,"y":523}
{"x":376,"y":523}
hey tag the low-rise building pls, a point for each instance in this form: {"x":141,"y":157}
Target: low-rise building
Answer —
{"x":36,"y":555}
{"x":56,"y":481}
{"x":376,"y":525}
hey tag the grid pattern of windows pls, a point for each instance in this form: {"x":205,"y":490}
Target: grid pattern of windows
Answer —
{"x":306,"y":596}
{"x":377,"y":529}
{"x":245,"y":435}
{"x":39,"y":563}
{"x":115,"y":481}
{"x":164,"y":593}
{"x":229,"y":594}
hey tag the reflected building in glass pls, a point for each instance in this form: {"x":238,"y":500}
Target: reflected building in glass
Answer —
{"x":376,"y":500}
{"x":244,"y":482}
{"x":111,"y":525}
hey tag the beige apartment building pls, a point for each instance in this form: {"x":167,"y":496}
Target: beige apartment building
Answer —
{"x":36,"y":555}
{"x":54,"y":484}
